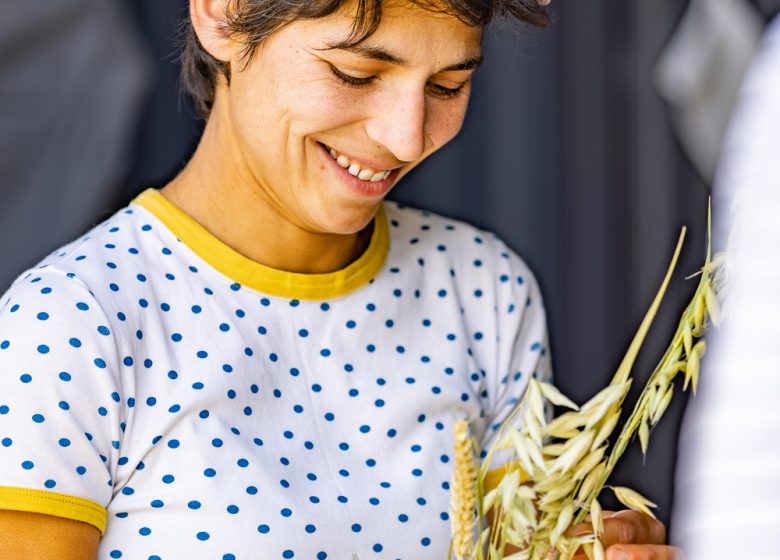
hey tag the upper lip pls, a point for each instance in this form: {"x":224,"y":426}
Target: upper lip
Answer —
{"x":364,"y":163}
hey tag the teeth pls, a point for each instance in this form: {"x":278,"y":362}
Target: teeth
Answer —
{"x":364,"y":174}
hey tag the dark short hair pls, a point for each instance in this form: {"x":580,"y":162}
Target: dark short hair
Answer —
{"x":252,"y":21}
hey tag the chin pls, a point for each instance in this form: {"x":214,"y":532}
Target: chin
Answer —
{"x":348,"y":220}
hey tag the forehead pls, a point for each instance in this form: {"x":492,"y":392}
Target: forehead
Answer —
{"x":407,"y":28}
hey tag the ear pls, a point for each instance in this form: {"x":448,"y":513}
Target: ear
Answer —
{"x":208,"y":20}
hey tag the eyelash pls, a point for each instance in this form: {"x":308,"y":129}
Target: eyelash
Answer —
{"x":439,"y":91}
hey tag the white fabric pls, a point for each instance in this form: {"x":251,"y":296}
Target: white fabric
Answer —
{"x":227,"y":424}
{"x":700,"y":70}
{"x":727,"y":502}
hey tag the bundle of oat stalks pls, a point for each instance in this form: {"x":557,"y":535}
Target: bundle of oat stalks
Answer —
{"x":564,"y":464}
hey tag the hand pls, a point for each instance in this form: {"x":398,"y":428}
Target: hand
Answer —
{"x":629,"y":535}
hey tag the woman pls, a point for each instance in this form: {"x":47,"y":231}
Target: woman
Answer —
{"x":263,"y":360}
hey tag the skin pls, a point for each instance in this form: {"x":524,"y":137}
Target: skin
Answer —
{"x":34,"y":536}
{"x":260,"y":181}
{"x":262,"y":184}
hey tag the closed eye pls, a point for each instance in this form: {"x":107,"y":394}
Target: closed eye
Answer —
{"x":436,"y":89}
{"x":351,"y":80}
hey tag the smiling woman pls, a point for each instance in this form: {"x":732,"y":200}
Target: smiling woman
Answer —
{"x":263,"y":359}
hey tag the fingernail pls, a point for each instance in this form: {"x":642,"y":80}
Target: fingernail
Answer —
{"x":618,"y":555}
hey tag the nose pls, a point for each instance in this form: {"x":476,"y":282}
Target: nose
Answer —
{"x":399,"y":124}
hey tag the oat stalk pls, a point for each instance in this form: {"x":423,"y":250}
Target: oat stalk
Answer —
{"x":567,"y":461}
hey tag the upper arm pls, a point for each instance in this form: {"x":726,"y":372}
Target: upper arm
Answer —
{"x":35,"y":536}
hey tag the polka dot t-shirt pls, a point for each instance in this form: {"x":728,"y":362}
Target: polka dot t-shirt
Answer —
{"x":191,"y":403}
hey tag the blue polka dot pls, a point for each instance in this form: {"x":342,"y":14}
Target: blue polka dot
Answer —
{"x":115,"y":554}
{"x":7,"y":442}
{"x":38,"y":418}
{"x":303,"y":333}
{"x":50,"y":484}
{"x":202,"y":536}
{"x":377,"y":547}
{"x":356,"y":528}
{"x":81,"y":306}
{"x":194,"y":504}
{"x":25,"y":378}
{"x":232,"y":509}
{"x":425,"y":541}
{"x":403,"y":518}
{"x":43,"y":349}
{"x":310,"y":528}
{"x":145,"y":531}
{"x":264,"y":529}
{"x":81,"y":470}
{"x":157,"y":504}
{"x":288,"y":554}
{"x":99,"y":362}
{"x":64,"y":442}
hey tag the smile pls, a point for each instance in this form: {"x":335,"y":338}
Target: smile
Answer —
{"x":354,"y":168}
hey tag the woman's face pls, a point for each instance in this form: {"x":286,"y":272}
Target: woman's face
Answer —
{"x":326,"y":133}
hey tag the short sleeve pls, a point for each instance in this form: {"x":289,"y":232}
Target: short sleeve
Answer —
{"x":61,"y":413}
{"x":522,"y":350}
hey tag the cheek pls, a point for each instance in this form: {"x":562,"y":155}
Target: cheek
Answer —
{"x":445,"y":120}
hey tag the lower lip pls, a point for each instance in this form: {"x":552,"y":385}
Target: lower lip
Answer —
{"x":365,"y":189}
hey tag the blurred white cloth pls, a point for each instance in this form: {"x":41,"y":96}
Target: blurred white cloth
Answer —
{"x":700,"y":70}
{"x":727,"y":502}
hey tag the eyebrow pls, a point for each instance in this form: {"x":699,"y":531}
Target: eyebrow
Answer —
{"x":377,"y":53}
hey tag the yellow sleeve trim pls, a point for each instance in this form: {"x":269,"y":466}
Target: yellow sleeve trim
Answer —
{"x":493,"y":478}
{"x":53,"y":503}
{"x":264,"y":279}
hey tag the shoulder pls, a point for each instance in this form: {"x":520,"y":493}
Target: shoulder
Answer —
{"x":93,"y":262}
{"x":461,"y":247}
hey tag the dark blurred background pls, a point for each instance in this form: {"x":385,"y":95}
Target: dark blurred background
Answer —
{"x":569,"y":153}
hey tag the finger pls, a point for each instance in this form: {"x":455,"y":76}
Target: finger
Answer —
{"x":643,"y":552}
{"x":631,"y":527}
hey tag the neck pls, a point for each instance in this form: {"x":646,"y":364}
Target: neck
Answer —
{"x":218,"y":191}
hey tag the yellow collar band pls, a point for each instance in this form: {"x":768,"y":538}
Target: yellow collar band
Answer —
{"x":264,"y":279}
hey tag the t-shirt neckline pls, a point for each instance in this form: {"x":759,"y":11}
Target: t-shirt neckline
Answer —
{"x":262,"y":278}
